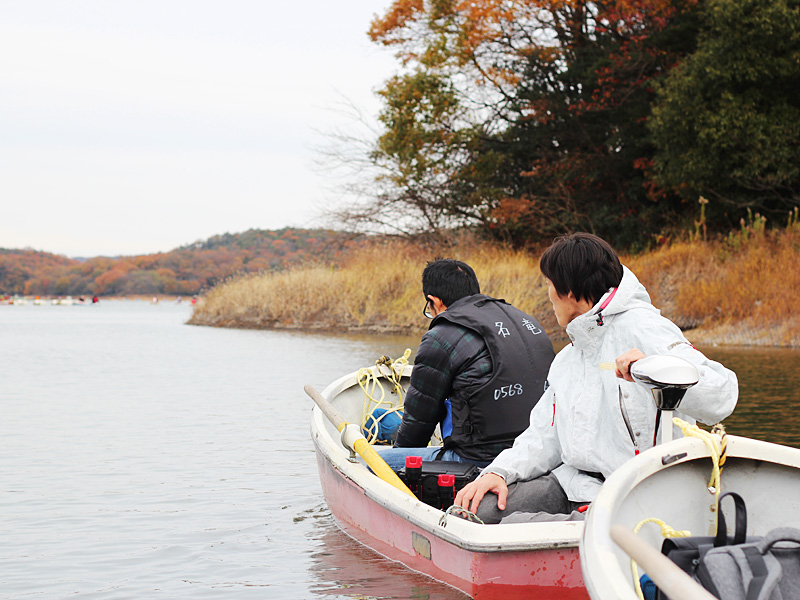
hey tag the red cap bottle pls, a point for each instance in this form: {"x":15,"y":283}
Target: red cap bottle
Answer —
{"x":447,"y":491}
{"x":414,"y":475}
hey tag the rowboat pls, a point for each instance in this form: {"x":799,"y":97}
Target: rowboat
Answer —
{"x":670,"y":483}
{"x":536,"y":560}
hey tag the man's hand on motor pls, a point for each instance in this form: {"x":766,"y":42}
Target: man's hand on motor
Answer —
{"x":624,"y":362}
{"x":471,"y":494}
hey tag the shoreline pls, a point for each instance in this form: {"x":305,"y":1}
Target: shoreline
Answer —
{"x":728,"y":334}
{"x":237,"y":323}
{"x":737,"y":291}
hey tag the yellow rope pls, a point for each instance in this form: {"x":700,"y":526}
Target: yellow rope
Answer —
{"x":369,"y":380}
{"x":719,"y":429}
{"x":667,"y":532}
{"x":717,"y":443}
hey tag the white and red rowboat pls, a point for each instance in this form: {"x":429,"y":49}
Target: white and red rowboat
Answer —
{"x":669,"y":483}
{"x":535,"y":560}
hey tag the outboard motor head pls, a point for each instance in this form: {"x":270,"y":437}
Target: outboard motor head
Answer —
{"x":667,"y":376}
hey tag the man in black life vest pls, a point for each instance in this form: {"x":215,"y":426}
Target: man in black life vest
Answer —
{"x":478,"y":372}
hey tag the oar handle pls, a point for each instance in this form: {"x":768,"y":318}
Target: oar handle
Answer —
{"x":668,"y":576}
{"x":326,"y":407}
{"x":358,"y":443}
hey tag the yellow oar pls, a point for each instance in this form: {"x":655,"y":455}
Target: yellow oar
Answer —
{"x":356,"y":441}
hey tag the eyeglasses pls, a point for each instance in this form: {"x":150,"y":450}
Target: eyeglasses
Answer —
{"x":427,"y":310}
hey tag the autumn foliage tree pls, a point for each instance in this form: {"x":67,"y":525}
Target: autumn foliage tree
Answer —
{"x":527,"y":118}
{"x":544,"y":105}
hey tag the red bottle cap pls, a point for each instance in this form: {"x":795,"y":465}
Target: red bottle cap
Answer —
{"x":413,"y":462}
{"x":447,"y":480}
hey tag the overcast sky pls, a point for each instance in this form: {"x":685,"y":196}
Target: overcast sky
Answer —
{"x":136,"y":126}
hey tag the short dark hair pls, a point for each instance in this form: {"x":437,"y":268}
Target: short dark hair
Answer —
{"x":449,"y":280}
{"x":583,"y":264}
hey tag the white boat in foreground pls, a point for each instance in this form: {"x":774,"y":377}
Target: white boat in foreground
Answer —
{"x":670,"y":482}
{"x":532,"y":560}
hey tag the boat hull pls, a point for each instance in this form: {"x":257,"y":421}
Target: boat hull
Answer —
{"x":484,"y":561}
{"x":542,"y":574}
{"x":669,"y":483}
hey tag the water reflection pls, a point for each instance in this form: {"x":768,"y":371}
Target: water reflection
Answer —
{"x":769,"y":392}
{"x":346,"y":569}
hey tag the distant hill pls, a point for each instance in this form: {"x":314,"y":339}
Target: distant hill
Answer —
{"x":186,"y":270}
{"x":17,"y":267}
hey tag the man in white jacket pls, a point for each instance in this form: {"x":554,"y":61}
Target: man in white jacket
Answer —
{"x":592,"y":417}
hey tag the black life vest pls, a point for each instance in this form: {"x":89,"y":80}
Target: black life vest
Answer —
{"x":496,"y":412}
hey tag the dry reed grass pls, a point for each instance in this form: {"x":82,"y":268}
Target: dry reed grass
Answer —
{"x":376,"y":288}
{"x":738,"y":290}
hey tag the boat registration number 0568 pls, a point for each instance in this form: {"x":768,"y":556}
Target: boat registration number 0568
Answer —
{"x":512,"y":389}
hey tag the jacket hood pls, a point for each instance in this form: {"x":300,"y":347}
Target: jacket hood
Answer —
{"x":629,"y":295}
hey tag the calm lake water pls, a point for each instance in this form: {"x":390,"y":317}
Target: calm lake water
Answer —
{"x":144,"y":458}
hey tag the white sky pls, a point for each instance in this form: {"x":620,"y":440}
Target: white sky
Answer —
{"x":136,"y":126}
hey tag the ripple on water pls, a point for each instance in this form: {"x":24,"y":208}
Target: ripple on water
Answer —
{"x":143,"y":458}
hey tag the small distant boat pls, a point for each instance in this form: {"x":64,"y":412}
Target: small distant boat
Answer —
{"x":532,"y":560}
{"x":19,"y":300}
{"x":671,"y":483}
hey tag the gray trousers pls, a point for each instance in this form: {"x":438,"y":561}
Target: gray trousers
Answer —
{"x":543,"y":494}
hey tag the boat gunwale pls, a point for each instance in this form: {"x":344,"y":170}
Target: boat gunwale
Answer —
{"x":516,"y":537}
{"x":621,"y":484}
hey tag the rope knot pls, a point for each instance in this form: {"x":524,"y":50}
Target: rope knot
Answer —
{"x":369,"y":379}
